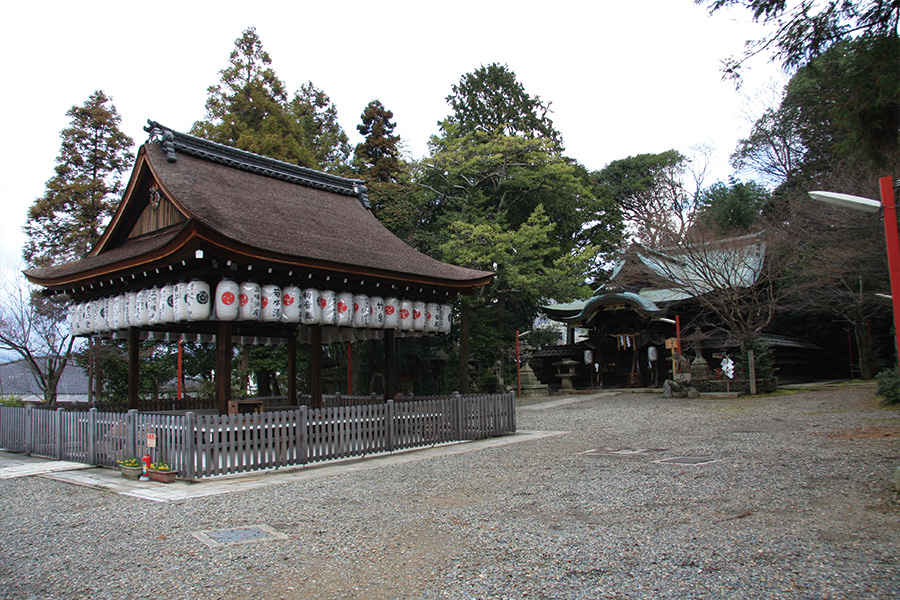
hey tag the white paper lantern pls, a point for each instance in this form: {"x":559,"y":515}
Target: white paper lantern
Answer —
{"x":328,"y":306}
{"x":406,"y":315}
{"x":344,"y":308}
{"x":120,"y":310}
{"x":87,"y":317}
{"x":153,"y":312}
{"x":167,"y":304}
{"x":94,"y":311}
{"x":431,"y":317}
{"x":180,"y":297}
{"x":198,"y":301}
{"x":251,"y":299}
{"x":376,"y":312}
{"x":271,"y":303}
{"x":291,"y":298}
{"x":445,"y":318}
{"x":74,"y":320}
{"x":140,"y":308}
{"x":228,"y":294}
{"x":311,"y":311}
{"x":391,"y":313}
{"x":360,"y":311}
{"x":419,"y":316}
{"x":131,"y":309}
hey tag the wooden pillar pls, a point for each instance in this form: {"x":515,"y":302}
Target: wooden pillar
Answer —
{"x":223,"y":366}
{"x":315,"y":366}
{"x":134,"y":365}
{"x":389,"y":381}
{"x":292,"y":367}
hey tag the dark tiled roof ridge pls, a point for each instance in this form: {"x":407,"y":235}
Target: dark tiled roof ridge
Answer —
{"x":170,"y":140}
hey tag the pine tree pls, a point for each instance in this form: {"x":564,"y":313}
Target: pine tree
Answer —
{"x":65,"y":223}
{"x":378,"y":157}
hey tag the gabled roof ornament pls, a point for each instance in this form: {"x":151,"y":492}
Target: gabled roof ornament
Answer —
{"x":164,"y":137}
{"x":362,"y":192}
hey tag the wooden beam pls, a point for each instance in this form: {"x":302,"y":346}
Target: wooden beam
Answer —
{"x":389,"y":384}
{"x":223,"y":366}
{"x":134,"y":366}
{"x":292,"y":367}
{"x":315,"y":366}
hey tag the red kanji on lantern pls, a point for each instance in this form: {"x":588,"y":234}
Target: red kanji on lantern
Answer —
{"x":244,"y":299}
{"x":388,"y":310}
{"x":228,"y":298}
{"x":404,"y":314}
{"x":287,"y":299}
{"x":342,"y":307}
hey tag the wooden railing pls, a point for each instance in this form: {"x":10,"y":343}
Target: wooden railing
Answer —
{"x":201,"y":446}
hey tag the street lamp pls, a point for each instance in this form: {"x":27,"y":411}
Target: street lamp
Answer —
{"x":892,"y":240}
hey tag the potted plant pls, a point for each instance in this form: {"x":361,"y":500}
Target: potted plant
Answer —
{"x":131,"y":467}
{"x":161,"y":471}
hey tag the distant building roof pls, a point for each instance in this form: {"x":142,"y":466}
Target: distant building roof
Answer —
{"x":17,"y":379}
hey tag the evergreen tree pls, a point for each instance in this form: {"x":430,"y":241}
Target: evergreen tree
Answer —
{"x":65,"y":223}
{"x":249,"y":108}
{"x":491,"y":99}
{"x":322,"y":133}
{"x":378,"y":156}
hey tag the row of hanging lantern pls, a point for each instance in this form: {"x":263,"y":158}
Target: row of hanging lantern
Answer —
{"x":250,"y":301}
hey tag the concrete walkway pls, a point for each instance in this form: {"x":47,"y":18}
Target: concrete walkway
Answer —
{"x":110,"y":480}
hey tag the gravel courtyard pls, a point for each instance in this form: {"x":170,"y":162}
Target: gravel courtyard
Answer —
{"x":634,"y":496}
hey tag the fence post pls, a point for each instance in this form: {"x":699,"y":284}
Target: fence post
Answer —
{"x":29,"y":435}
{"x":303,"y":426}
{"x":512,"y":413}
{"x":92,"y":437}
{"x":58,"y":438}
{"x":389,"y":425}
{"x":190,"y":444}
{"x":131,"y":444}
{"x":460,"y":418}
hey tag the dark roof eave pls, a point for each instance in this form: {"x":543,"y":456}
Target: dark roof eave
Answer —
{"x":194,"y":233}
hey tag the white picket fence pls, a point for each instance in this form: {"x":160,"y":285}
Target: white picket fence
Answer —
{"x":199,"y":446}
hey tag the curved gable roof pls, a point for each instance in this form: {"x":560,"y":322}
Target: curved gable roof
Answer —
{"x":259,"y":209}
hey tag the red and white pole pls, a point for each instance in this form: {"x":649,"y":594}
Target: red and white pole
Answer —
{"x":892,"y":241}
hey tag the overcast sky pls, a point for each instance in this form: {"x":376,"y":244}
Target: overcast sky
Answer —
{"x":623,"y":77}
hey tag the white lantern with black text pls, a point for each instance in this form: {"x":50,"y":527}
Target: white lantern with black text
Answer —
{"x":328,"y":306}
{"x":153,"y":315}
{"x":431,"y":317}
{"x":376,"y":312}
{"x":271,"y":303}
{"x":250,"y":301}
{"x":311,"y":312}
{"x":446,"y":318}
{"x":360,"y":310}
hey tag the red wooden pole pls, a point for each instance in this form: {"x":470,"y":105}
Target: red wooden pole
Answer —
{"x":178,"y":394}
{"x":892,"y":241}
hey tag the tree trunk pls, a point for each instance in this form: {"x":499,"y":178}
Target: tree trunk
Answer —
{"x":463,"y":381}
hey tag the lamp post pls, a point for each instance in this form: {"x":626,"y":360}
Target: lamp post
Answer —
{"x":889,"y":208}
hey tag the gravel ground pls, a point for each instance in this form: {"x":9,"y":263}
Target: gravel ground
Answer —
{"x":796,"y":502}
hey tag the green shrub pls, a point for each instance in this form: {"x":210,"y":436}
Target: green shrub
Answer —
{"x":889,"y":385}
{"x":11,"y":401}
{"x":489,"y":383}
